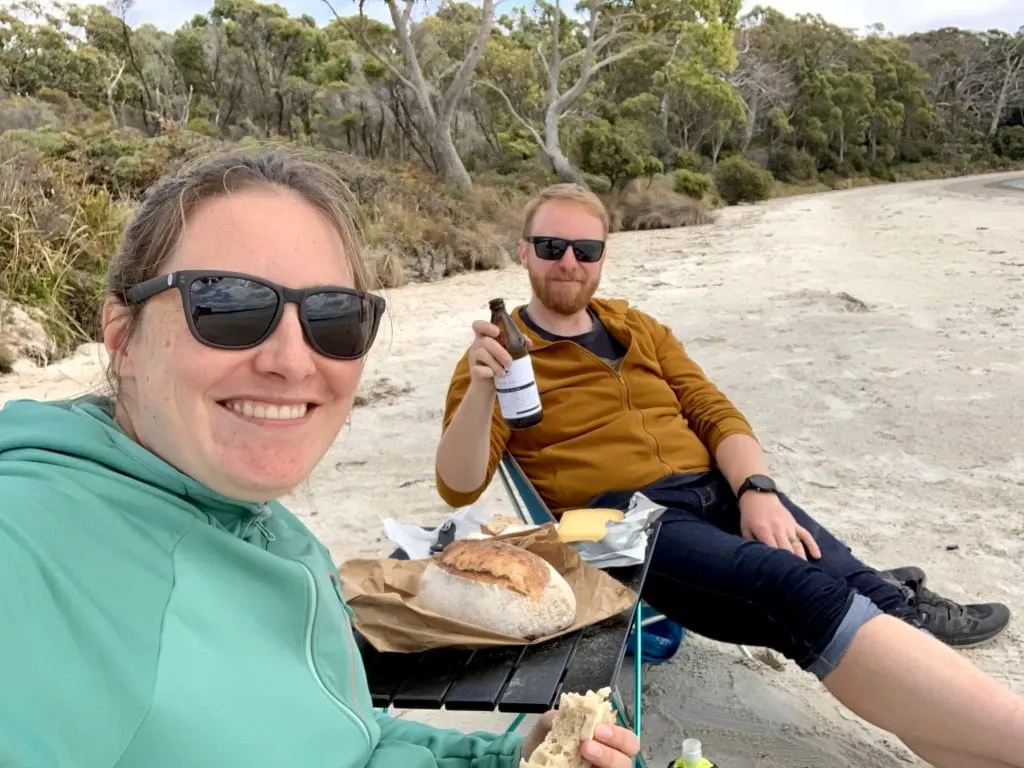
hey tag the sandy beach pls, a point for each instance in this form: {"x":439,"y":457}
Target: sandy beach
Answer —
{"x":872,"y":336}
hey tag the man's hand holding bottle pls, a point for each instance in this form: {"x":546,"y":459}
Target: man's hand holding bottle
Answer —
{"x":488,"y":358}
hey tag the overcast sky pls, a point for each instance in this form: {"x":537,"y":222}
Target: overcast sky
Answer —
{"x":898,"y":16}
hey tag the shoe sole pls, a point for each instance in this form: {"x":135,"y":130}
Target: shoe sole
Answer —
{"x":974,"y":643}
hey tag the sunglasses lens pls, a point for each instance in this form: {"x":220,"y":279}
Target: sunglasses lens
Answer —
{"x":231,"y":312}
{"x":588,"y":250}
{"x":340,"y":325}
{"x":550,"y":248}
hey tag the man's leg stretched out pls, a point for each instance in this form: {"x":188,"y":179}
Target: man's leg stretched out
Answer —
{"x":707,"y":499}
{"x":835,"y":617}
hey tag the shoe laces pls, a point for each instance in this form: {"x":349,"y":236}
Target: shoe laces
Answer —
{"x":952,"y":608}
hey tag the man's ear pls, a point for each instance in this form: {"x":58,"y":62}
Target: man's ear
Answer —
{"x":115,"y":324}
{"x":524,"y":252}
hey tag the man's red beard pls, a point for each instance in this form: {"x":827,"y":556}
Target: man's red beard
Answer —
{"x":564,"y":293}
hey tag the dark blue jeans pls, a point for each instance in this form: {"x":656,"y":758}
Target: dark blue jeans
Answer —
{"x":707,"y":577}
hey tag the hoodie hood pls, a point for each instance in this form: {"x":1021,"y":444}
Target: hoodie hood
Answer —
{"x":82,"y":431}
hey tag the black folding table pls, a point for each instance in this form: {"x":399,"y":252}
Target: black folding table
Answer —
{"x":522,"y":679}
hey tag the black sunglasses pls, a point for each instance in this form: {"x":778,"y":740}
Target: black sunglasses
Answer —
{"x":554,"y":248}
{"x":231,"y":310}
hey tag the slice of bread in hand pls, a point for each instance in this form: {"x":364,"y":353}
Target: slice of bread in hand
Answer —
{"x":577,"y":717}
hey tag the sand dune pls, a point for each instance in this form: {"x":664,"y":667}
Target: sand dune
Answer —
{"x":873,"y":338}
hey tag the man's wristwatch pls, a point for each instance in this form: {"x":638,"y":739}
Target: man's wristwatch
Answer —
{"x":759,"y":484}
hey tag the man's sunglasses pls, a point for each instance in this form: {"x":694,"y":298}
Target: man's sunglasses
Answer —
{"x":231,"y":310}
{"x":554,"y":248}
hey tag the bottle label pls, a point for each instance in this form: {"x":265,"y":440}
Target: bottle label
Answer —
{"x":517,"y":390}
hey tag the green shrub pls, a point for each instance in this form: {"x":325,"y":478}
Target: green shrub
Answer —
{"x":46,"y":142}
{"x":739,"y":180}
{"x":620,"y":152}
{"x":687,"y":160}
{"x":203,"y":126}
{"x":1009,"y":142}
{"x":24,"y":113}
{"x":691,"y":184}
{"x":792,"y":165}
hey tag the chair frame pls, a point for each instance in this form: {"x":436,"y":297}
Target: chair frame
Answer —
{"x":531,"y":509}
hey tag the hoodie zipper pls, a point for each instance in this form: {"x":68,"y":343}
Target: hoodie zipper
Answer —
{"x":311,"y":662}
{"x":261,"y":513}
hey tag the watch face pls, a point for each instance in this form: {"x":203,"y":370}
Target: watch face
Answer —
{"x":762,"y":483}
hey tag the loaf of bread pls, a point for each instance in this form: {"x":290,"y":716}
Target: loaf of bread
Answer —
{"x":575,"y":721}
{"x":497,"y":586}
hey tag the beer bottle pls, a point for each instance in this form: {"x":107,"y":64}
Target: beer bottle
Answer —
{"x":517,"y":391}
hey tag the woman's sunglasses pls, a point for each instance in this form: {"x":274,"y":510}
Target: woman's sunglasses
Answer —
{"x":554,"y":248}
{"x":231,"y":310}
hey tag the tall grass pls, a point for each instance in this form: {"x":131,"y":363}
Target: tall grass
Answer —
{"x":56,"y":233}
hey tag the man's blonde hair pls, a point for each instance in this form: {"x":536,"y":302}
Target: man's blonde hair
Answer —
{"x":570,"y":193}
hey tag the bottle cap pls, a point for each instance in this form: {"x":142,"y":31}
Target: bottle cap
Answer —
{"x":497,"y":304}
{"x":692,"y":749}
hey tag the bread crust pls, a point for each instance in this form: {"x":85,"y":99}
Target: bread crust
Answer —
{"x":498,"y":587}
{"x":495,"y":562}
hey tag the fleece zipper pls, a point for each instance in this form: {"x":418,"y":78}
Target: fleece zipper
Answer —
{"x":263,"y":512}
{"x":311,"y":662}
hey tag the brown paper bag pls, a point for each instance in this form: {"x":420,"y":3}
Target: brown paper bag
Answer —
{"x":382,"y":595}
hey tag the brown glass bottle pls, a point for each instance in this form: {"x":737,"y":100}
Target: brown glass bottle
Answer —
{"x":518,"y":396}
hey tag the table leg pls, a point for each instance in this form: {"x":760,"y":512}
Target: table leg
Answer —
{"x":516,"y":723}
{"x":638,"y":669}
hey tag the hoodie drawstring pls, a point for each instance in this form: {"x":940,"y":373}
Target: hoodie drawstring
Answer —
{"x":262,"y":513}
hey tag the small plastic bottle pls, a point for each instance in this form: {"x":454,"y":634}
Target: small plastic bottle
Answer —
{"x":692,"y":756}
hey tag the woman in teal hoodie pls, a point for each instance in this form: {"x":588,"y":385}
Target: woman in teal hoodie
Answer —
{"x":159,"y":608}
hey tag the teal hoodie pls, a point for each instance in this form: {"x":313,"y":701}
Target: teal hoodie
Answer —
{"x":146,"y":621}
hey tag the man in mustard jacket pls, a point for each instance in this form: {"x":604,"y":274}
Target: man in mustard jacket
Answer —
{"x":625,"y":409}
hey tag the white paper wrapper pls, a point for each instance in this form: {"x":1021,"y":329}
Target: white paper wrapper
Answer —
{"x":624,"y":544}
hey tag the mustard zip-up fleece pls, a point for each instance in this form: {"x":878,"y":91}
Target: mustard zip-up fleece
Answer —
{"x":605,"y":429}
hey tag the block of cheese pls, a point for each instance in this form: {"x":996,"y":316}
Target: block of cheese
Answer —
{"x":586,"y":524}
{"x":577,"y":717}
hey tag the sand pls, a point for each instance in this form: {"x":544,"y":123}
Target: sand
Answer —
{"x":872,"y":338}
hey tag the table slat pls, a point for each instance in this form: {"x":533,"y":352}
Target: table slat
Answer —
{"x":427,"y":686}
{"x":484,"y":679}
{"x":535,"y":685}
{"x":385,"y":672}
{"x":598,"y":655}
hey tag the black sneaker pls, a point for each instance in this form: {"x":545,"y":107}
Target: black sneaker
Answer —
{"x":961,"y":626}
{"x":908,"y":576}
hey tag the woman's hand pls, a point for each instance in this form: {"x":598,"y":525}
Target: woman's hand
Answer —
{"x":612,"y":746}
